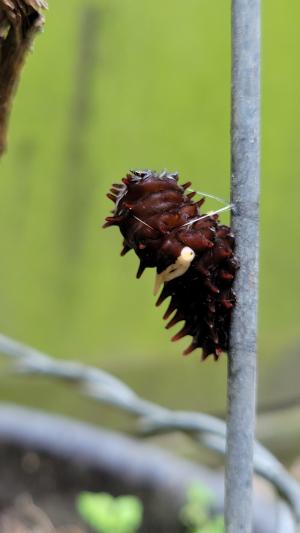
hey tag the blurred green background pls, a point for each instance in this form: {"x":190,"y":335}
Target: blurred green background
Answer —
{"x":122,"y":84}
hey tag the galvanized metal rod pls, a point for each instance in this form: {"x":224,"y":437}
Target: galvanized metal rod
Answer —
{"x":245,"y":155}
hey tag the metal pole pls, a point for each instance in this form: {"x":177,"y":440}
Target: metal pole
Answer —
{"x":245,"y":152}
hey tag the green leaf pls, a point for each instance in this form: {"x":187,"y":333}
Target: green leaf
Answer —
{"x":106,"y":514}
{"x":216,"y":525}
{"x":195,"y":512}
{"x":200,"y":494}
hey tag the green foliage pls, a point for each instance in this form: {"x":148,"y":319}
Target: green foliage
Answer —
{"x":215,"y":525}
{"x":196,"y":513}
{"x":106,"y":514}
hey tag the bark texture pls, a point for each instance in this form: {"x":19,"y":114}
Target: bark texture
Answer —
{"x":20,"y":20}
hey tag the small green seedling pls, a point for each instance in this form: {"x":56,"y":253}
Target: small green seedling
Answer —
{"x":106,"y":514}
{"x":196,"y":514}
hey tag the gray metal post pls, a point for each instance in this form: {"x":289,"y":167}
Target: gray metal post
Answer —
{"x":245,"y":151}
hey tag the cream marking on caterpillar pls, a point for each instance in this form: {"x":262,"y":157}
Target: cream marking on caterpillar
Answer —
{"x":175,"y":270}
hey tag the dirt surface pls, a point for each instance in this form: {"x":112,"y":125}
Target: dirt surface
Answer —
{"x":26,"y":517}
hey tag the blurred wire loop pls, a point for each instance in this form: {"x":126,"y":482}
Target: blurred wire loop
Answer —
{"x":103,"y":387}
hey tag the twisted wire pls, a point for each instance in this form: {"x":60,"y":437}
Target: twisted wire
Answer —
{"x":206,"y":430}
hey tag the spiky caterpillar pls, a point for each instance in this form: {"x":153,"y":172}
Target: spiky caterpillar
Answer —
{"x":192,"y":252}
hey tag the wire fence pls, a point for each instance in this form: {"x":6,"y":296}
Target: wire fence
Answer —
{"x":206,"y":430}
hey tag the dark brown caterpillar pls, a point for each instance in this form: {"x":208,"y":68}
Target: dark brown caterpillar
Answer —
{"x":193,"y":254}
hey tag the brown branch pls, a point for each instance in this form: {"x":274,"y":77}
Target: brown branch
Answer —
{"x":20,"y":20}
